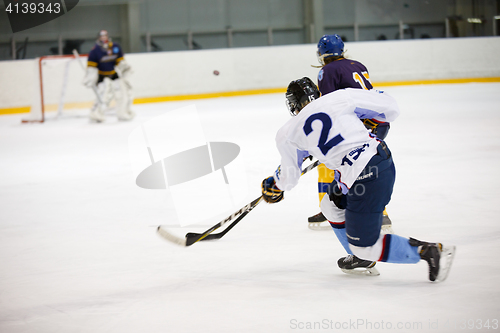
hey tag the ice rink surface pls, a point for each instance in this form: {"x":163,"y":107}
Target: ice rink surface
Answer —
{"x":79,"y":251}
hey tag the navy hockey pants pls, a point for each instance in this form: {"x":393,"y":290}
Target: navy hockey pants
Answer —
{"x":367,"y":198}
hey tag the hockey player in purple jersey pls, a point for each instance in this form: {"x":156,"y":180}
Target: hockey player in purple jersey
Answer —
{"x":329,"y":129}
{"x":108,"y":71}
{"x":338,"y":72}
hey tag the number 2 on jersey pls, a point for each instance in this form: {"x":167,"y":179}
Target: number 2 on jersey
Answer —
{"x":323,"y":145}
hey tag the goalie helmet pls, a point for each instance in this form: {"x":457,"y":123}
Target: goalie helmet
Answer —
{"x":299,"y":93}
{"x":103,"y":36}
{"x":103,"y":39}
{"x":329,"y":46}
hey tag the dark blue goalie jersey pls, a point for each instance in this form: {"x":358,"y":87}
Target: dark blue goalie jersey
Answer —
{"x":105,"y":58}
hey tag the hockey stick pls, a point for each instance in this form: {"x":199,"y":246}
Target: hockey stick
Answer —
{"x":221,"y":234}
{"x":193,"y":235}
{"x":192,"y":238}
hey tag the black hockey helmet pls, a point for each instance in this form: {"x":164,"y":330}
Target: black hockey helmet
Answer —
{"x":299,"y":93}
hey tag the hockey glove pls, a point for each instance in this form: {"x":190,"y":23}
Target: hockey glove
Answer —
{"x":124,"y":69}
{"x":91,"y":76}
{"x":379,"y":129}
{"x":270,"y":193}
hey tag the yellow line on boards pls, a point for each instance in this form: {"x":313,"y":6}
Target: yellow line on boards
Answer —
{"x":159,"y":99}
{"x":208,"y":95}
{"x":22,"y":109}
{"x":440,"y":81}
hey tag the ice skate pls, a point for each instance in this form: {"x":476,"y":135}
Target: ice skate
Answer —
{"x":97,"y":115}
{"x":356,"y":266}
{"x":438,"y":257}
{"x":126,"y":116}
{"x":318,"y":222}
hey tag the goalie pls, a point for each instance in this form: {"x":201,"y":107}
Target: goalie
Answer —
{"x":107,"y":73}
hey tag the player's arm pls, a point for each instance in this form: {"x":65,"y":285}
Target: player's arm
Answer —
{"x":123,"y":67}
{"x":375,"y":109}
{"x":366,"y":77}
{"x":92,"y":72}
{"x":288,"y":173}
{"x":328,"y":81}
{"x":374,"y":104}
{"x":285,"y":176}
{"x":93,"y":58}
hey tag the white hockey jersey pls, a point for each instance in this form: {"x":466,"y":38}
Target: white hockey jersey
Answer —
{"x":330,"y":130}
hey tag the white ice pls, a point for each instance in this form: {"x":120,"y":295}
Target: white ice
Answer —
{"x":79,"y":251}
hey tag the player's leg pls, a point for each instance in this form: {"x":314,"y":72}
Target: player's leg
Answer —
{"x":98,"y":108}
{"x":365,"y":204}
{"x":386,"y":223}
{"x":336,"y":216}
{"x":400,"y":250}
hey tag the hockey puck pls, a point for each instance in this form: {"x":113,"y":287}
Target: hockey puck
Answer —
{"x":216,"y":72}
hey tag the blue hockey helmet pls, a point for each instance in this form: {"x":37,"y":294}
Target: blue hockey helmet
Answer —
{"x":299,"y":93}
{"x":330,"y":46}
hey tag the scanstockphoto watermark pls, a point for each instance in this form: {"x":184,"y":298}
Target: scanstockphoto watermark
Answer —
{"x":358,"y":189}
{"x":462,"y":324}
{"x":355,"y":324}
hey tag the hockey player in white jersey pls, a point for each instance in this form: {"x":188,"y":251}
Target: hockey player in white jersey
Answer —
{"x":329,"y":129}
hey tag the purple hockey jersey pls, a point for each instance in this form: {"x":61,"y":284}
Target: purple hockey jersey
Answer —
{"x":341,"y":74}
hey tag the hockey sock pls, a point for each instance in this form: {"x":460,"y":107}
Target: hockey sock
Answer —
{"x":342,"y":236}
{"x":397,"y":250}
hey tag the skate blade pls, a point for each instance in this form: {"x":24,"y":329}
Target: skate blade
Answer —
{"x":318,"y":226}
{"x":386,"y":229}
{"x":448,"y":254}
{"x":373,"y":271}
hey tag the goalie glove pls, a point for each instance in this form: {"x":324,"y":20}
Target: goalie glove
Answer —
{"x":124,"y":69}
{"x":270,"y":193}
{"x":91,"y":76}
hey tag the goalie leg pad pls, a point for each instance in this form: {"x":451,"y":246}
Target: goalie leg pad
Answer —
{"x":98,"y":109}
{"x":123,"y":98}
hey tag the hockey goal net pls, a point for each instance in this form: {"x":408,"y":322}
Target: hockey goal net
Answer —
{"x":58,"y":89}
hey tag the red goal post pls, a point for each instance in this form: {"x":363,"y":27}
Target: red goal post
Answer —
{"x":58,"y":87}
